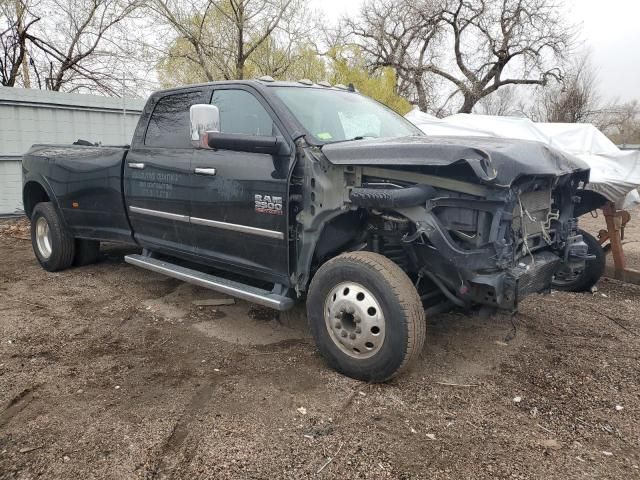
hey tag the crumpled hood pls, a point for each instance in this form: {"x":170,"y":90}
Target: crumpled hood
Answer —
{"x":494,"y":160}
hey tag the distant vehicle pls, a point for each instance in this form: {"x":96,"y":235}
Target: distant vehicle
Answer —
{"x":281,"y":191}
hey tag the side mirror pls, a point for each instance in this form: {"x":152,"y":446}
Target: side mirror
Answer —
{"x":204,"y":118}
{"x":245,"y":143}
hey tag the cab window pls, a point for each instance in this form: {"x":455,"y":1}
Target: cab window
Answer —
{"x":241,"y":112}
{"x":169,"y":124}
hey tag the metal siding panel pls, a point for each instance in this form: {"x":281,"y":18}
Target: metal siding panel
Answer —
{"x":29,"y":116}
{"x":10,"y":187}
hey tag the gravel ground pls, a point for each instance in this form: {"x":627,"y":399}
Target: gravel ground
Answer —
{"x":109,"y":371}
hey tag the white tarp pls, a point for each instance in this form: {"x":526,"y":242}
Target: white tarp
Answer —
{"x":614,"y":173}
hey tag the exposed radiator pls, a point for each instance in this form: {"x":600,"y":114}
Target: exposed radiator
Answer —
{"x":537,"y":205}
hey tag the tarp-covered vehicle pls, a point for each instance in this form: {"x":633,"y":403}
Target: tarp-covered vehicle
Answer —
{"x":282,"y":191}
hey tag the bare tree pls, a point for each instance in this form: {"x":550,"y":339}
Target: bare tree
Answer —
{"x":399,"y":34}
{"x":504,"y":102}
{"x":82,"y":44}
{"x":621,"y":122}
{"x":17,"y":20}
{"x":290,"y":50}
{"x":503,"y":43}
{"x":492,"y":44}
{"x":575,"y":99}
{"x":221,"y":36}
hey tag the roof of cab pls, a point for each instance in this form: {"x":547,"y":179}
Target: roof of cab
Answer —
{"x":257,"y":83}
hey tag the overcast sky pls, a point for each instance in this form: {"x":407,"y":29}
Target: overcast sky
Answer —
{"x":610,"y":29}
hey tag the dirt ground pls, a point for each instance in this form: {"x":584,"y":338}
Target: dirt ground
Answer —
{"x":112,"y":372}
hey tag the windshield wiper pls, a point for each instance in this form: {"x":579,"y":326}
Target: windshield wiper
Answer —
{"x":361,"y":137}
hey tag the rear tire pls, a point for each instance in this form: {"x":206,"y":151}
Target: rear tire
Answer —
{"x":52,"y":243}
{"x":584,"y":280}
{"x":366,"y":316}
{"x":87,"y":252}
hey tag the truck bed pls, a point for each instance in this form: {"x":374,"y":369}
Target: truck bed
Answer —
{"x":86,"y":184}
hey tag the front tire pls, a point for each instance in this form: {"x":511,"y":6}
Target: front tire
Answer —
{"x":52,"y":243}
{"x":366,"y":316}
{"x":584,"y":280}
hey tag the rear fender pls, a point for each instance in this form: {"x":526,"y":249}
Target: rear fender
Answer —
{"x":30,"y":199}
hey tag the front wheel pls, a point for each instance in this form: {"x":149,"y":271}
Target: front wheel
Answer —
{"x":366,"y":316}
{"x":583,"y":280}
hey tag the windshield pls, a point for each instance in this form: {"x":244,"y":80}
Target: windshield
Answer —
{"x":334,"y":116}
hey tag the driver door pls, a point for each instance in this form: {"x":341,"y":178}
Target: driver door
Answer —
{"x":239,"y":199}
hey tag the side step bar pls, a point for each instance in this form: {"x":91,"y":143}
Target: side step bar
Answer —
{"x":219,"y":284}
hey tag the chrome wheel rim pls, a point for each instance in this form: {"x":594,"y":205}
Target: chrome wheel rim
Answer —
{"x":43,"y":237}
{"x":354,"y":319}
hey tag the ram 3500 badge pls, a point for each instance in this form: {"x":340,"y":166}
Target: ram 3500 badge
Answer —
{"x":268,"y":204}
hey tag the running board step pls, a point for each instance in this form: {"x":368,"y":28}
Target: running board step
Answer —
{"x":219,"y":284}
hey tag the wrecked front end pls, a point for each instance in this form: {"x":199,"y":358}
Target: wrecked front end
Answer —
{"x":468,"y":232}
{"x":494,"y":250}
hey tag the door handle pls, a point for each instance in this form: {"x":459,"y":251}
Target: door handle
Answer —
{"x":205,"y":171}
{"x":137,"y":166}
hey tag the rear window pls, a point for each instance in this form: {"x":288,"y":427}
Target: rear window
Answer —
{"x":169,"y":123}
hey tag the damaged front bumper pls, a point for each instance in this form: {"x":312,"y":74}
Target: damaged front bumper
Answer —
{"x":495,"y":275}
{"x":505,"y":289}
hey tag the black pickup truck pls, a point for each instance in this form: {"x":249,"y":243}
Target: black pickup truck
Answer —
{"x":280,"y":191}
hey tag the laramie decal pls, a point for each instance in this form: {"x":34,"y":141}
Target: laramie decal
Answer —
{"x":268,"y":204}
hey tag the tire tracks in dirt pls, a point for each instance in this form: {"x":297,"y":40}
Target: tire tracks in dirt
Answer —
{"x":168,"y":459}
{"x":17,"y":404}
